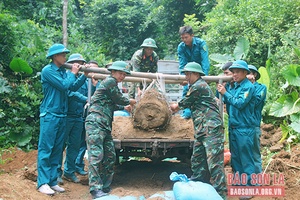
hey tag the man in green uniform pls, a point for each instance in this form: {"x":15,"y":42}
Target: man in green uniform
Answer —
{"x":208,"y":153}
{"x":143,"y":60}
{"x":98,"y":125}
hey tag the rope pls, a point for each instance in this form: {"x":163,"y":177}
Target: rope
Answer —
{"x":159,"y":83}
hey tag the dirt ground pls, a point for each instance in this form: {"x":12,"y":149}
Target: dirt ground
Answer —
{"x":143,"y":177}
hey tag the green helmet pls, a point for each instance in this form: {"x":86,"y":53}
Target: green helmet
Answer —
{"x":239,"y":64}
{"x":149,"y":42}
{"x":75,"y":57}
{"x":120,"y":66}
{"x":193,"y":67}
{"x":56,"y":49}
{"x":253,"y":68}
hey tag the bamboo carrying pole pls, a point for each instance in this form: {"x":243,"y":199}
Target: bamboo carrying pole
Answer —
{"x":102,"y":73}
{"x":132,"y":79}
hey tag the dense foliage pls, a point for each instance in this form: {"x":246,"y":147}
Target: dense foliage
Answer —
{"x":272,"y":29}
{"x":108,"y":30}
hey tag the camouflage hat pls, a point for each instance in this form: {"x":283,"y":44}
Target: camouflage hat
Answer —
{"x":239,"y":64}
{"x":120,"y":66}
{"x":193,"y":67}
{"x":253,"y":68}
{"x":56,"y":49}
{"x":149,"y":42}
{"x":75,"y":57}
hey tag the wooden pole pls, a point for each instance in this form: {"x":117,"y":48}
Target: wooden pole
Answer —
{"x":147,"y":75}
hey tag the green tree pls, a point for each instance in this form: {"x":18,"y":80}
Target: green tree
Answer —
{"x":169,"y":15}
{"x":260,"y":21}
{"x":264,"y":24}
{"x":288,"y":105}
{"x":42,"y":11}
{"x":19,"y":118}
{"x":7,"y":39}
{"x":118,"y":27}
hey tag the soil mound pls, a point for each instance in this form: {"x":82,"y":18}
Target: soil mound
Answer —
{"x":178,"y":128}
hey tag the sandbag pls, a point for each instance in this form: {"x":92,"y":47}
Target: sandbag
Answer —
{"x":195,"y":190}
{"x":184,"y":189}
{"x":114,"y":197}
{"x":165,"y":195}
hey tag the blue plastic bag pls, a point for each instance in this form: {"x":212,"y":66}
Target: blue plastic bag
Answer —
{"x":122,"y":113}
{"x":166,"y":195}
{"x":174,"y":176}
{"x":186,"y":114}
{"x":184,"y":189}
{"x":114,"y":197}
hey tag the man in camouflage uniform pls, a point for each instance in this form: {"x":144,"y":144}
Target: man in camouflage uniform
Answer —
{"x":143,"y":60}
{"x":208,"y":152}
{"x":100,"y":145}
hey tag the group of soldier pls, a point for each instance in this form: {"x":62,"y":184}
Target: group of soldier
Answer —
{"x":64,"y":124}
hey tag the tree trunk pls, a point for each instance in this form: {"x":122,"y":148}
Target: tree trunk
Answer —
{"x":64,"y":23}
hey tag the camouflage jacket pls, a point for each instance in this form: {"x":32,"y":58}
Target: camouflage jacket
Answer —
{"x":141,"y":63}
{"x":205,"y":111}
{"x":106,"y":99}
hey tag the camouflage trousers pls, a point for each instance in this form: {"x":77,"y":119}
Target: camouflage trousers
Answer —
{"x":101,"y":156}
{"x":208,"y":161}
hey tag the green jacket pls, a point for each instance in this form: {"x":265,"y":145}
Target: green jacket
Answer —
{"x":141,"y":63}
{"x":106,"y":99}
{"x":205,"y":111}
